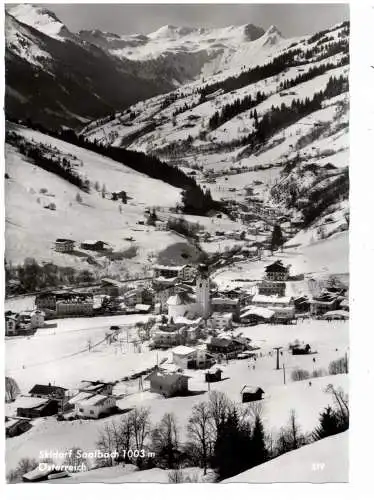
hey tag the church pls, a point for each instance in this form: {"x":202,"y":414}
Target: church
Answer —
{"x":190,"y":305}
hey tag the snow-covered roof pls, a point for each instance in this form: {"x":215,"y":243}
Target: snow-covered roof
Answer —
{"x":342,"y":314}
{"x":258,"y":311}
{"x":266,"y":299}
{"x":94,"y":400}
{"x":161,"y":267}
{"x":179,"y":299}
{"x":142,"y":307}
{"x":81,"y":396}
{"x":30,"y":402}
{"x":251,"y":389}
{"x":183,"y":350}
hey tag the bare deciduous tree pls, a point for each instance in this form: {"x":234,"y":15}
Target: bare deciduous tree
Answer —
{"x":200,"y":431}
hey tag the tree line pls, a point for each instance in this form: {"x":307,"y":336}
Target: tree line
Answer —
{"x":195,"y":199}
{"x":279,"y":117}
{"x":309,"y":75}
{"x":32,"y":276}
{"x":254,"y":75}
{"x":238,"y":106}
{"x":46,"y":160}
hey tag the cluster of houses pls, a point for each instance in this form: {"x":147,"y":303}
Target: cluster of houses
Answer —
{"x":184,"y":293}
{"x":23,"y":323}
{"x":93,"y":399}
{"x":65,"y":245}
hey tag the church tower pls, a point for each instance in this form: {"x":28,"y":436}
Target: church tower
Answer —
{"x":203,"y":291}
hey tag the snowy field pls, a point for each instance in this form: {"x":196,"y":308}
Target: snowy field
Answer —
{"x":44,"y":357}
{"x":330,"y":340}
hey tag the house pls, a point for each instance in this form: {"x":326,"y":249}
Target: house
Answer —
{"x":326,"y":301}
{"x":213,"y":375}
{"x":164,"y":339}
{"x":250,"y":393}
{"x":184,"y":356}
{"x":272,"y":288}
{"x":253,"y":315}
{"x":33,"y":319}
{"x":226,"y":305}
{"x":11,"y":324}
{"x":30,"y":407}
{"x":225,"y":346}
{"x":221,"y":321}
{"x":168,"y":384}
{"x":51,"y":392}
{"x":94,"y":245}
{"x":184,"y":273}
{"x":64,"y":245}
{"x":283,"y":307}
{"x":277,"y":272}
{"x":74,"y":304}
{"x":16,"y":426}
{"x":301,"y":349}
{"x":95,"y":406}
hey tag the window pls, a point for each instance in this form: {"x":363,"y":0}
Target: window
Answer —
{"x":91,"y":412}
{"x":81,"y":410}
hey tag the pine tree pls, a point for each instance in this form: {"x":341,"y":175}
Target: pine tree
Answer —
{"x":328,"y":424}
{"x":258,"y":447}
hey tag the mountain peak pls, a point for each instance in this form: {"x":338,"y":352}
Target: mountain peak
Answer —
{"x":273,"y":30}
{"x":40,"y":19}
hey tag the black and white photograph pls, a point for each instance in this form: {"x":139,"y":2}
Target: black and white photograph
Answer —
{"x":177,"y":286}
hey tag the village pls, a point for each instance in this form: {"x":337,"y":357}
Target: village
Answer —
{"x":174,"y":335}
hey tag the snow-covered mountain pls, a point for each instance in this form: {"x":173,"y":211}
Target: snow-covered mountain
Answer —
{"x":211,"y":126}
{"x":262,"y":121}
{"x":182,"y":52}
{"x":55,"y":78}
{"x":81,"y":76}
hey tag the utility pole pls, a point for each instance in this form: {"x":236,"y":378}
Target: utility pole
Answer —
{"x":346,"y":362}
{"x":284,"y":375}
{"x":277,"y":349}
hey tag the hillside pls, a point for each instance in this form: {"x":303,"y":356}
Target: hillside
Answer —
{"x":275,"y":131}
{"x":32,"y":228}
{"x":325,"y":461}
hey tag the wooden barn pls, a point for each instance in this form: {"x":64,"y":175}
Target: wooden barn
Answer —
{"x":250,"y":393}
{"x":301,"y":349}
{"x":213,"y":375}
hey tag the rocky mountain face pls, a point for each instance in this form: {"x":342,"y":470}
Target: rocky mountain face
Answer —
{"x":71,"y":78}
{"x":55,"y":78}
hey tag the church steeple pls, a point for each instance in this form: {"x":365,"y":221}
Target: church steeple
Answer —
{"x":203,"y":291}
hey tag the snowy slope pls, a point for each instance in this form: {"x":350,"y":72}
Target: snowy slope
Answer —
{"x":28,"y":363}
{"x":325,"y":461}
{"x":31,"y":229}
